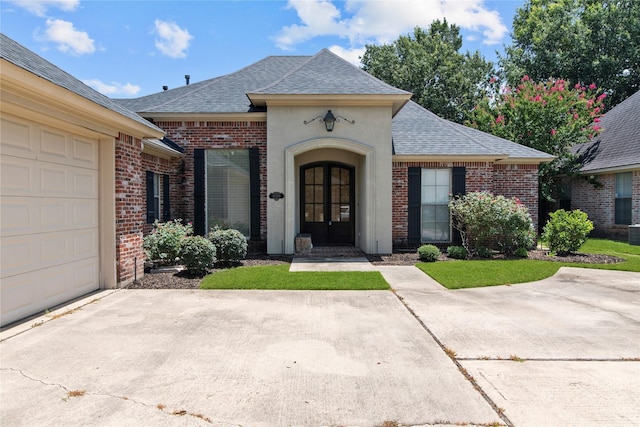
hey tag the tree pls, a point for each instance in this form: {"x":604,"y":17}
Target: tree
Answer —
{"x":429,"y":64}
{"x":584,"y":41}
{"x":550,"y":116}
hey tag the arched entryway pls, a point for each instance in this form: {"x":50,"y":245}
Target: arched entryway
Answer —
{"x":327,"y":203}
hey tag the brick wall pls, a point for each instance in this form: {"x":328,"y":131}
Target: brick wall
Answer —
{"x":163,"y":167}
{"x":130,"y":208}
{"x":509,"y":180}
{"x":599,"y":203}
{"x":204,"y":134}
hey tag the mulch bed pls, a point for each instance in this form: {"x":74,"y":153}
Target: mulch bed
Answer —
{"x":184,"y":280}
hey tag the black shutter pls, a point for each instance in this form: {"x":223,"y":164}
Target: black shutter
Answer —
{"x":151,"y":213}
{"x":254,"y":190}
{"x":199,"y":225}
{"x":166,"y":199}
{"x":414,"y":205}
{"x":459,"y":188}
{"x":459,"y":181}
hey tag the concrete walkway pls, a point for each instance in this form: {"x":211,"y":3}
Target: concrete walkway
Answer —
{"x":562,"y":351}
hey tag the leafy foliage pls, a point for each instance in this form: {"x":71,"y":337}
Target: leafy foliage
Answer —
{"x":457,"y":252}
{"x":162,"y":246}
{"x":485,"y":220}
{"x":428,"y":253}
{"x":231,"y":245}
{"x":197,"y":254}
{"x":566,"y":231}
{"x":429,"y":64}
{"x":550,"y":116}
{"x":585,"y":41}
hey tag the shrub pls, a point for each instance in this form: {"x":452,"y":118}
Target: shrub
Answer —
{"x":457,"y":252}
{"x":162,"y":246}
{"x":484,"y":252}
{"x":521,"y":253}
{"x":231,"y":245}
{"x":428,"y":253}
{"x":485,"y":221}
{"x":197,"y":254}
{"x":566,"y":232}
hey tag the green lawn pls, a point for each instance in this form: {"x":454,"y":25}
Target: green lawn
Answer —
{"x":279,"y":277}
{"x":471,"y":274}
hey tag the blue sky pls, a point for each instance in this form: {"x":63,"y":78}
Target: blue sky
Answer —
{"x":132,"y":48}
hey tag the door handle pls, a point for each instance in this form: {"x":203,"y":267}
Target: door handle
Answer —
{"x":329,"y":222}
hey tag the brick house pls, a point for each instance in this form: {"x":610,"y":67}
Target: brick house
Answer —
{"x":613,"y":158}
{"x":354,"y":161}
{"x":288,"y":145}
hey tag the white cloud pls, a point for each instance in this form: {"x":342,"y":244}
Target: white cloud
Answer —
{"x":351,"y":55}
{"x":172,"y":40}
{"x":40,"y":7}
{"x":113,"y":88}
{"x":383,"y":21}
{"x":68,"y":38}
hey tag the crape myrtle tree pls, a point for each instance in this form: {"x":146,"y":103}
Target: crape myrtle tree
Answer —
{"x":429,"y":64}
{"x":583,"y":41}
{"x":550,"y":116}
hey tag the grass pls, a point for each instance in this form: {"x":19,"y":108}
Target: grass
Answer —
{"x":478,"y":273}
{"x":279,"y":277}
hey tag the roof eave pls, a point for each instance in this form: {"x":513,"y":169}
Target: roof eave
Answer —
{"x":157,"y":148}
{"x":615,"y":169}
{"x":448,"y":157}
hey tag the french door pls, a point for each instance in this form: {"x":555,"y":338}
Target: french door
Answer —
{"x":327,"y":203}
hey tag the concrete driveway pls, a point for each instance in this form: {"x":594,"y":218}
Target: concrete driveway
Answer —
{"x":280,"y":358}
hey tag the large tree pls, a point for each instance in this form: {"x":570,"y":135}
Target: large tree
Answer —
{"x":429,"y":64}
{"x":550,"y":116}
{"x":584,"y":41}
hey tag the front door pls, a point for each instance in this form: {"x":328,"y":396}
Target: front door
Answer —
{"x":327,"y":210}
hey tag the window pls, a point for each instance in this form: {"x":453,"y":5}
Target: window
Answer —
{"x":435,"y":215}
{"x":228,"y":191}
{"x":157,"y":197}
{"x":623,"y":198}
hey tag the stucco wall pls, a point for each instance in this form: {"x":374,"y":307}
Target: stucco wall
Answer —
{"x":365,"y":144}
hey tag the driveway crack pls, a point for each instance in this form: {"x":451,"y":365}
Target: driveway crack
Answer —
{"x":463,"y":371}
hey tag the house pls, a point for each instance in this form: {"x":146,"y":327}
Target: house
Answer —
{"x":72,"y":165}
{"x":288,"y":145}
{"x":613,"y":159}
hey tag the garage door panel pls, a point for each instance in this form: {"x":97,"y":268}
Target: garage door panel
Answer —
{"x":19,"y":215}
{"x":16,"y":139}
{"x":24,"y":253}
{"x":50,"y":231}
{"x":36,"y":291}
{"x":18,"y":176}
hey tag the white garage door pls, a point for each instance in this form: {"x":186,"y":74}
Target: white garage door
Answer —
{"x":49,"y":237}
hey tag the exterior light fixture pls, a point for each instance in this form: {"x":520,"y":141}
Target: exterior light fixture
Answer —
{"x":329,"y":120}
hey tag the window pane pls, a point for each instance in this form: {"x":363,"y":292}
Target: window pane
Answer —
{"x":318,"y":194}
{"x":308,"y":212}
{"x":319,"y":175}
{"x":335,"y":194}
{"x":623,"y":184}
{"x":228,"y":189}
{"x":318,"y":215}
{"x":442,"y":194}
{"x":623,"y":211}
{"x":442,"y":177}
{"x":335,"y":213}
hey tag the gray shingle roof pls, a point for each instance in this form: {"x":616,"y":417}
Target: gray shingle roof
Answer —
{"x":225,"y":94}
{"x":327,"y":74}
{"x":618,"y":145}
{"x":22,"y":57}
{"x":418,"y":131}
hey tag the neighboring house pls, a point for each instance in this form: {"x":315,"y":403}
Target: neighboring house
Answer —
{"x":288,"y":145}
{"x":613,"y":159}
{"x":72,"y":185}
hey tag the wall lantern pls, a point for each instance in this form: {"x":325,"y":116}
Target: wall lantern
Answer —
{"x":329,"y":120}
{"x":276,"y":195}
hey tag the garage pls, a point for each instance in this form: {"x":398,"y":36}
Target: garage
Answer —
{"x":60,"y":235}
{"x":50,"y":217}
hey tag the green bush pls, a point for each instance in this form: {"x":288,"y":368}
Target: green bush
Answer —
{"x":457,"y":252}
{"x":231,"y":245}
{"x":197,"y":254}
{"x":162,"y":246}
{"x":521,"y":253}
{"x":484,"y":252}
{"x":487,"y":221}
{"x":565,"y":231}
{"x":428,"y":253}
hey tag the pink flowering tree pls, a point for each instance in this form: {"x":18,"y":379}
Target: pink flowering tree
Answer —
{"x":550,"y":116}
